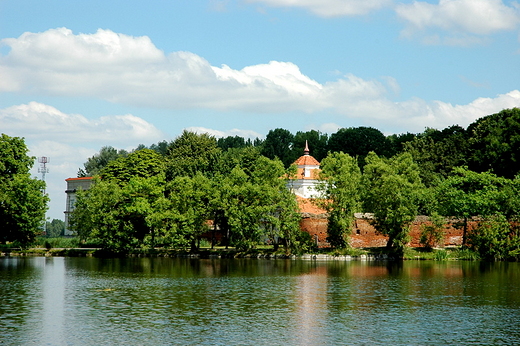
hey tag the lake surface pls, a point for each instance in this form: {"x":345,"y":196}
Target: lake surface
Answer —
{"x":172,"y":301}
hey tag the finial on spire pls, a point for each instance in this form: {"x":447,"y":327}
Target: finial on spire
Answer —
{"x":306,"y":150}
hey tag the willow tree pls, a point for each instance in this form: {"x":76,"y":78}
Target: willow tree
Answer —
{"x":391,"y":192}
{"x":340,"y":195}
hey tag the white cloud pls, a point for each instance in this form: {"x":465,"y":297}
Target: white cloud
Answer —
{"x":415,"y":115}
{"x":220,"y":134}
{"x":461,"y":22}
{"x":324,"y":128}
{"x":37,"y":121}
{"x":131,"y":70}
{"x":329,"y":8}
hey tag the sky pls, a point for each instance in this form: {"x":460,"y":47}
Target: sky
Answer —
{"x":79,"y":75}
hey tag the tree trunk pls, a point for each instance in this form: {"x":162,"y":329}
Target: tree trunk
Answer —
{"x":193,"y":246}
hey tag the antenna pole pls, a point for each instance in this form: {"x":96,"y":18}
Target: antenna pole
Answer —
{"x":44,"y":170}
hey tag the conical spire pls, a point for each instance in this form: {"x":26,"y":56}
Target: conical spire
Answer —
{"x":306,"y":151}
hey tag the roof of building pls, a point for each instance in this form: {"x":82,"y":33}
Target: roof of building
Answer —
{"x":306,"y":205}
{"x":306,"y":159}
{"x":82,"y":178}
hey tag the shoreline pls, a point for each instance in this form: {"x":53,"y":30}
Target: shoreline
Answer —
{"x":372,"y":254}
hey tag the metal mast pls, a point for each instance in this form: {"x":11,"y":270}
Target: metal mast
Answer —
{"x":44,"y":170}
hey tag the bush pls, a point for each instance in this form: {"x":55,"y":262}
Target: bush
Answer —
{"x":432,"y":235}
{"x":467,"y":255}
{"x":441,"y":255}
{"x":496,"y":239}
{"x":58,"y":242}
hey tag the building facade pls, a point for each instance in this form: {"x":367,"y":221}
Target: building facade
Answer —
{"x":73,"y":185}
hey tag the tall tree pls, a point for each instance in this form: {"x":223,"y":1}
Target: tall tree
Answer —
{"x":22,"y":203}
{"x":438,"y":152}
{"x":495,"y":143}
{"x":358,"y":142}
{"x":340,"y":186}
{"x":391,"y":192}
{"x":316,"y":140}
{"x":191,"y":153}
{"x":55,"y":228}
{"x":278,"y":143}
{"x":467,"y":193}
{"x":161,"y":147}
{"x":141,"y":163}
{"x":96,"y":163}
{"x":228,"y":142}
{"x":120,"y":216}
{"x":186,"y":210}
{"x":396,"y":143}
{"x":251,"y":202}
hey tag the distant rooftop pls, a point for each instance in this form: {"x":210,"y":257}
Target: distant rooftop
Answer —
{"x":82,"y":178}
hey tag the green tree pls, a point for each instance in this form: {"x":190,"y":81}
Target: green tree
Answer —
{"x":55,"y":228}
{"x":246,"y":158}
{"x":396,"y":143}
{"x":119,"y":217}
{"x":96,"y":163}
{"x":495,"y":143}
{"x":391,"y":192}
{"x":467,"y":193}
{"x":251,"y":203}
{"x":358,"y":142}
{"x":22,"y":203}
{"x":438,"y":152}
{"x":432,"y":233}
{"x":117,"y":210}
{"x":340,"y":188}
{"x":161,"y":147}
{"x":279,"y":143}
{"x":191,"y":153}
{"x":239,"y":201}
{"x":316,"y":140}
{"x":496,"y":239}
{"x":185,"y":210}
{"x":143,"y":163}
{"x":228,"y":142}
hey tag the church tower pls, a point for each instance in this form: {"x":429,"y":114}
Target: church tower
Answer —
{"x":304,"y":184}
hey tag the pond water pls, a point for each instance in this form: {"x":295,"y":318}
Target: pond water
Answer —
{"x":172,"y":301}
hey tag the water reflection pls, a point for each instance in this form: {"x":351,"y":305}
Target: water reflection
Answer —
{"x":144,"y":301}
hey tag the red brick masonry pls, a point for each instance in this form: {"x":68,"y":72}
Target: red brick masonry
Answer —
{"x":365,"y":235}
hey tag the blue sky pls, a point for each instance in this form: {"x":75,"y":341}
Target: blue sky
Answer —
{"x":75,"y":76}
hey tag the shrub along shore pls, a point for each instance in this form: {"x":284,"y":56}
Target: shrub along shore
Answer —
{"x":366,"y":254}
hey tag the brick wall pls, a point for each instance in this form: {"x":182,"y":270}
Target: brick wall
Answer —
{"x":365,"y":235}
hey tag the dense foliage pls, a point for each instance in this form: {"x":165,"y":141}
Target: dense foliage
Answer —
{"x":22,"y":203}
{"x":146,"y":199}
{"x":55,"y":228}
{"x":391,"y":192}
{"x":340,"y":188}
{"x":165,"y":194}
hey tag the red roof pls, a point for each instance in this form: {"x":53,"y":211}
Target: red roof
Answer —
{"x":82,"y":178}
{"x":306,"y":205}
{"x":306,"y":160}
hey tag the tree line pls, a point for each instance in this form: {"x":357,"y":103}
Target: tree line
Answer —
{"x":147,"y":199}
{"x":236,"y":183}
{"x":164,"y":194}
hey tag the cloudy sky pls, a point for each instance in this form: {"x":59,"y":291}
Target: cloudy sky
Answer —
{"x":75,"y":76}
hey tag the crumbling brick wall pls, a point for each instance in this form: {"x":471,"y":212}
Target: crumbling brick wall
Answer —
{"x":365,"y":235}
